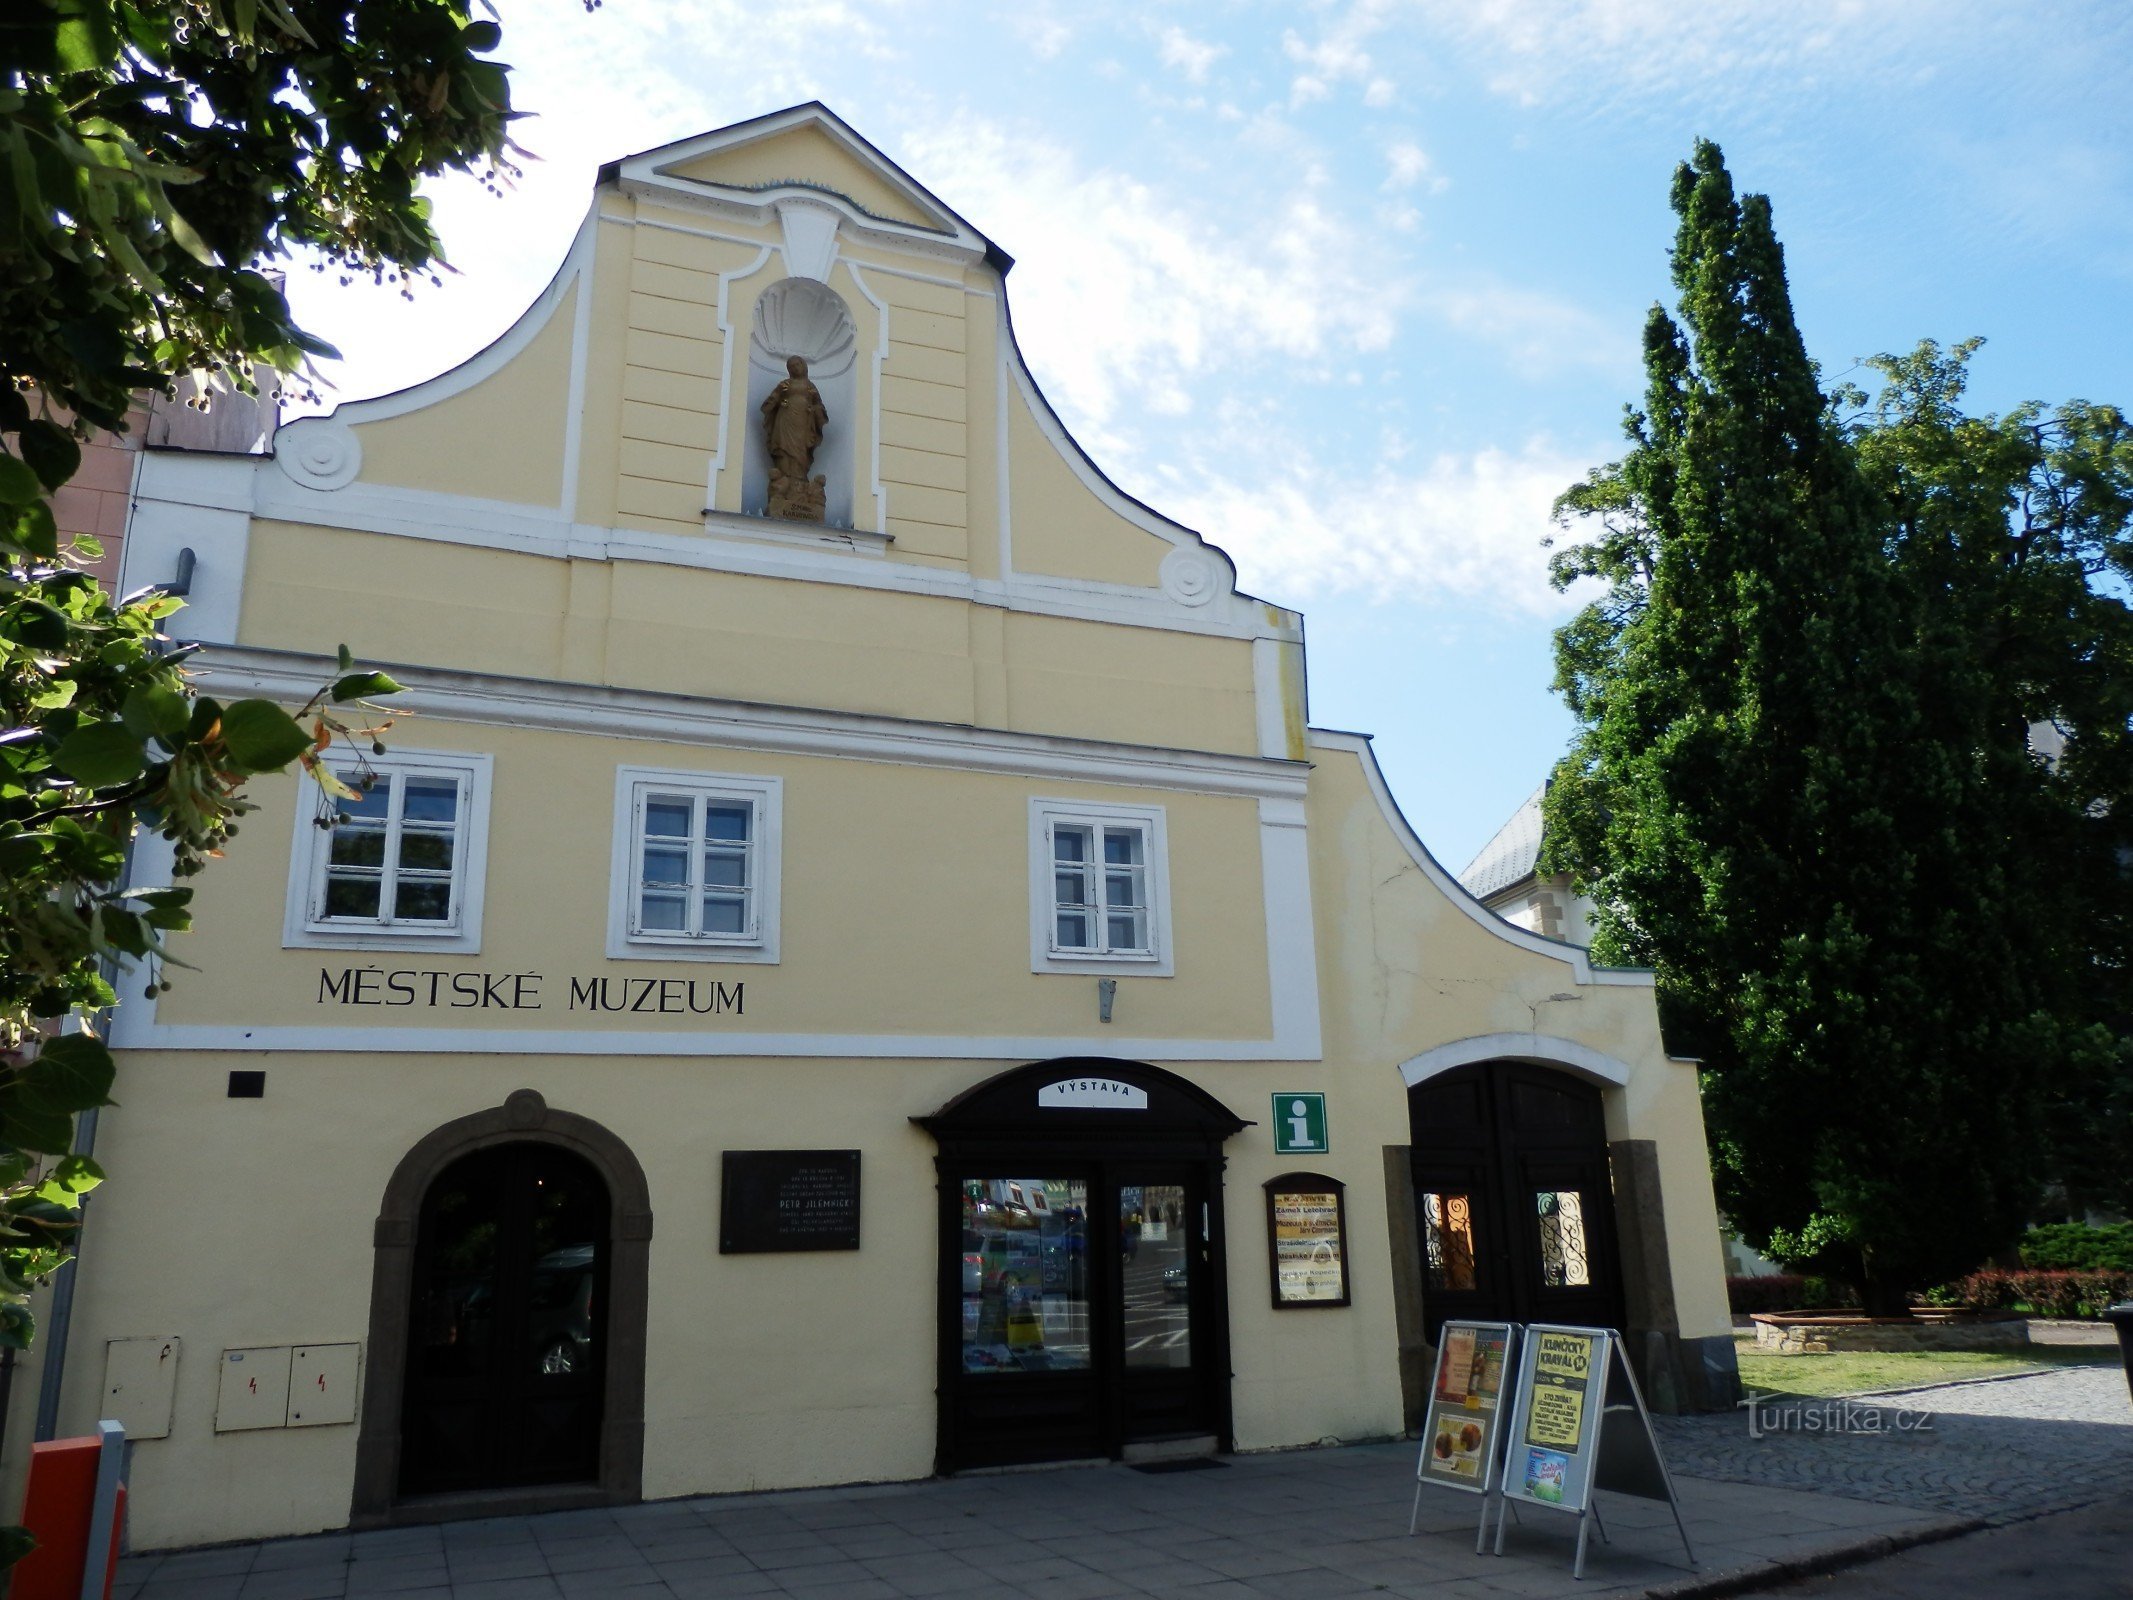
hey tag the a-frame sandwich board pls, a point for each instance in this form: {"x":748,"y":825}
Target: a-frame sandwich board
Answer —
{"x":1578,"y":1423}
{"x":1464,"y":1427}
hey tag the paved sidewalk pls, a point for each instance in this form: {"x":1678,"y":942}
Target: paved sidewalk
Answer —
{"x":1307,"y":1525}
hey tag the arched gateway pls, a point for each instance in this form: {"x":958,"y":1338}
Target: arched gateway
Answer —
{"x":1083,"y":1310}
{"x":507,"y":1324}
{"x":1514,"y":1201}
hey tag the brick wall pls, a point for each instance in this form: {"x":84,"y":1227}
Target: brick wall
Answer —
{"x":95,"y":501}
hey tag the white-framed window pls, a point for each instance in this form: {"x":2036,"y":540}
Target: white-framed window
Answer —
{"x":1099,"y":888}
{"x":695,"y":866}
{"x":401,"y":864}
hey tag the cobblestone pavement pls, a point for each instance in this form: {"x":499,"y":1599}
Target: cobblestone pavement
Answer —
{"x":2004,"y":1449}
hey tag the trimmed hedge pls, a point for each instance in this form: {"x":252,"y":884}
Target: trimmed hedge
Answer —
{"x":2076,"y":1247}
{"x":2046,"y":1294}
{"x":1785,"y":1291}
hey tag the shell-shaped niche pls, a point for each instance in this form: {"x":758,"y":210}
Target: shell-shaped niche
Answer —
{"x":800,"y":317}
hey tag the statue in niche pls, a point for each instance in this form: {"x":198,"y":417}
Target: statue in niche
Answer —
{"x":793,"y":420}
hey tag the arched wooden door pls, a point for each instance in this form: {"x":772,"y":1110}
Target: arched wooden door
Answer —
{"x":1513,"y":1199}
{"x":506,"y":1346}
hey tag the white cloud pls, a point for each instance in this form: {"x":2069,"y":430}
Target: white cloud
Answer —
{"x":1191,"y":56}
{"x":1338,"y":55}
{"x":1718,"y":51}
{"x":1407,"y":164}
{"x":1127,"y":300}
{"x":648,"y":90}
{"x":1460,"y":528}
{"x":1539,"y":333}
{"x":1046,"y":34}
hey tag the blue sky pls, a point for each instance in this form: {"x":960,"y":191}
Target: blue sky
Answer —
{"x":1355,"y":289}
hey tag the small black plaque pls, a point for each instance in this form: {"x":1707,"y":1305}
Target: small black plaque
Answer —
{"x":789,"y":1200}
{"x":246,"y":1084}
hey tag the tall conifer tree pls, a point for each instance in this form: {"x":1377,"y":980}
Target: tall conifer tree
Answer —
{"x":1774,"y":806}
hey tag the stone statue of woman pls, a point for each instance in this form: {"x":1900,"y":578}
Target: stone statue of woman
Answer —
{"x":793,"y":420}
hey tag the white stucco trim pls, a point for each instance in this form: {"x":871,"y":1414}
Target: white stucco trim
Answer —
{"x":542,"y":531}
{"x":483,"y":363}
{"x":218,"y":536}
{"x":650,"y":174}
{"x":727,"y":421}
{"x":1570,"y":955}
{"x":1003,"y":339}
{"x":737,"y":725}
{"x":135,"y":1028}
{"x":580,"y":349}
{"x":1545,"y":1048}
{"x":1222,"y":597}
{"x":1291,"y":931}
{"x":881,"y":355}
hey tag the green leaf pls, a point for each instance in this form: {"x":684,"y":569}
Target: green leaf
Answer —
{"x":261,"y":736}
{"x":85,"y":40}
{"x":71,"y":1073}
{"x":189,"y":240}
{"x":19,"y":852}
{"x":49,"y":451}
{"x":18,"y":1326}
{"x":15,"y":1543}
{"x":77,"y":1173}
{"x":36,"y":531}
{"x":38,"y":625}
{"x":18,"y":484}
{"x":33,"y":1128}
{"x":363,"y":686}
{"x":155,"y":710}
{"x":101,"y":755}
{"x":346,"y":659}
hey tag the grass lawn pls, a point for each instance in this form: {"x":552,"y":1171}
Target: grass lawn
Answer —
{"x":1903,"y":1369}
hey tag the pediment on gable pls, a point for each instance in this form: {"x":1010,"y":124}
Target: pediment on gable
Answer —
{"x":806,"y":148}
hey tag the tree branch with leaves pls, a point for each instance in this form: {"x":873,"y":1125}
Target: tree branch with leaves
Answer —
{"x":157,"y":159}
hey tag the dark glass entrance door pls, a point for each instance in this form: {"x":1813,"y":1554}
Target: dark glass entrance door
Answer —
{"x":505,"y":1344}
{"x":1081,"y":1314}
{"x":1513,"y":1199}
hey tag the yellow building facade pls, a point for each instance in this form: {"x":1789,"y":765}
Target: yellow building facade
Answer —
{"x":805,"y":1001}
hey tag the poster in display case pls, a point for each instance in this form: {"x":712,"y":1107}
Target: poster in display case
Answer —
{"x":1307,"y":1240}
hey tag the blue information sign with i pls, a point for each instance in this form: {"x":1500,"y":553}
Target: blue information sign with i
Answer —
{"x":1300,"y":1124}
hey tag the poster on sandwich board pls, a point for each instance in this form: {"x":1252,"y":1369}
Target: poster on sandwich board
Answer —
{"x":1578,"y":1423}
{"x":1469,"y":1396}
{"x":1466,"y":1405}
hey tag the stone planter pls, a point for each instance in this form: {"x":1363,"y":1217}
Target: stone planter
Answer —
{"x":1802,"y":1333}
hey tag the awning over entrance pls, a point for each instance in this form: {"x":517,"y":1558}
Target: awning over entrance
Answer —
{"x":1089,"y":1100}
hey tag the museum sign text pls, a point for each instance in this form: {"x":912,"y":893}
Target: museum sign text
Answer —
{"x":434,"y":990}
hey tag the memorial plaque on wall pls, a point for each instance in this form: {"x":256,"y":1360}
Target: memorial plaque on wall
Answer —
{"x":774,"y":1200}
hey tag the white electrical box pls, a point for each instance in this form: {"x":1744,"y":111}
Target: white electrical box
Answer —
{"x":255,"y":1389}
{"x":141,"y":1385}
{"x":322,"y":1385}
